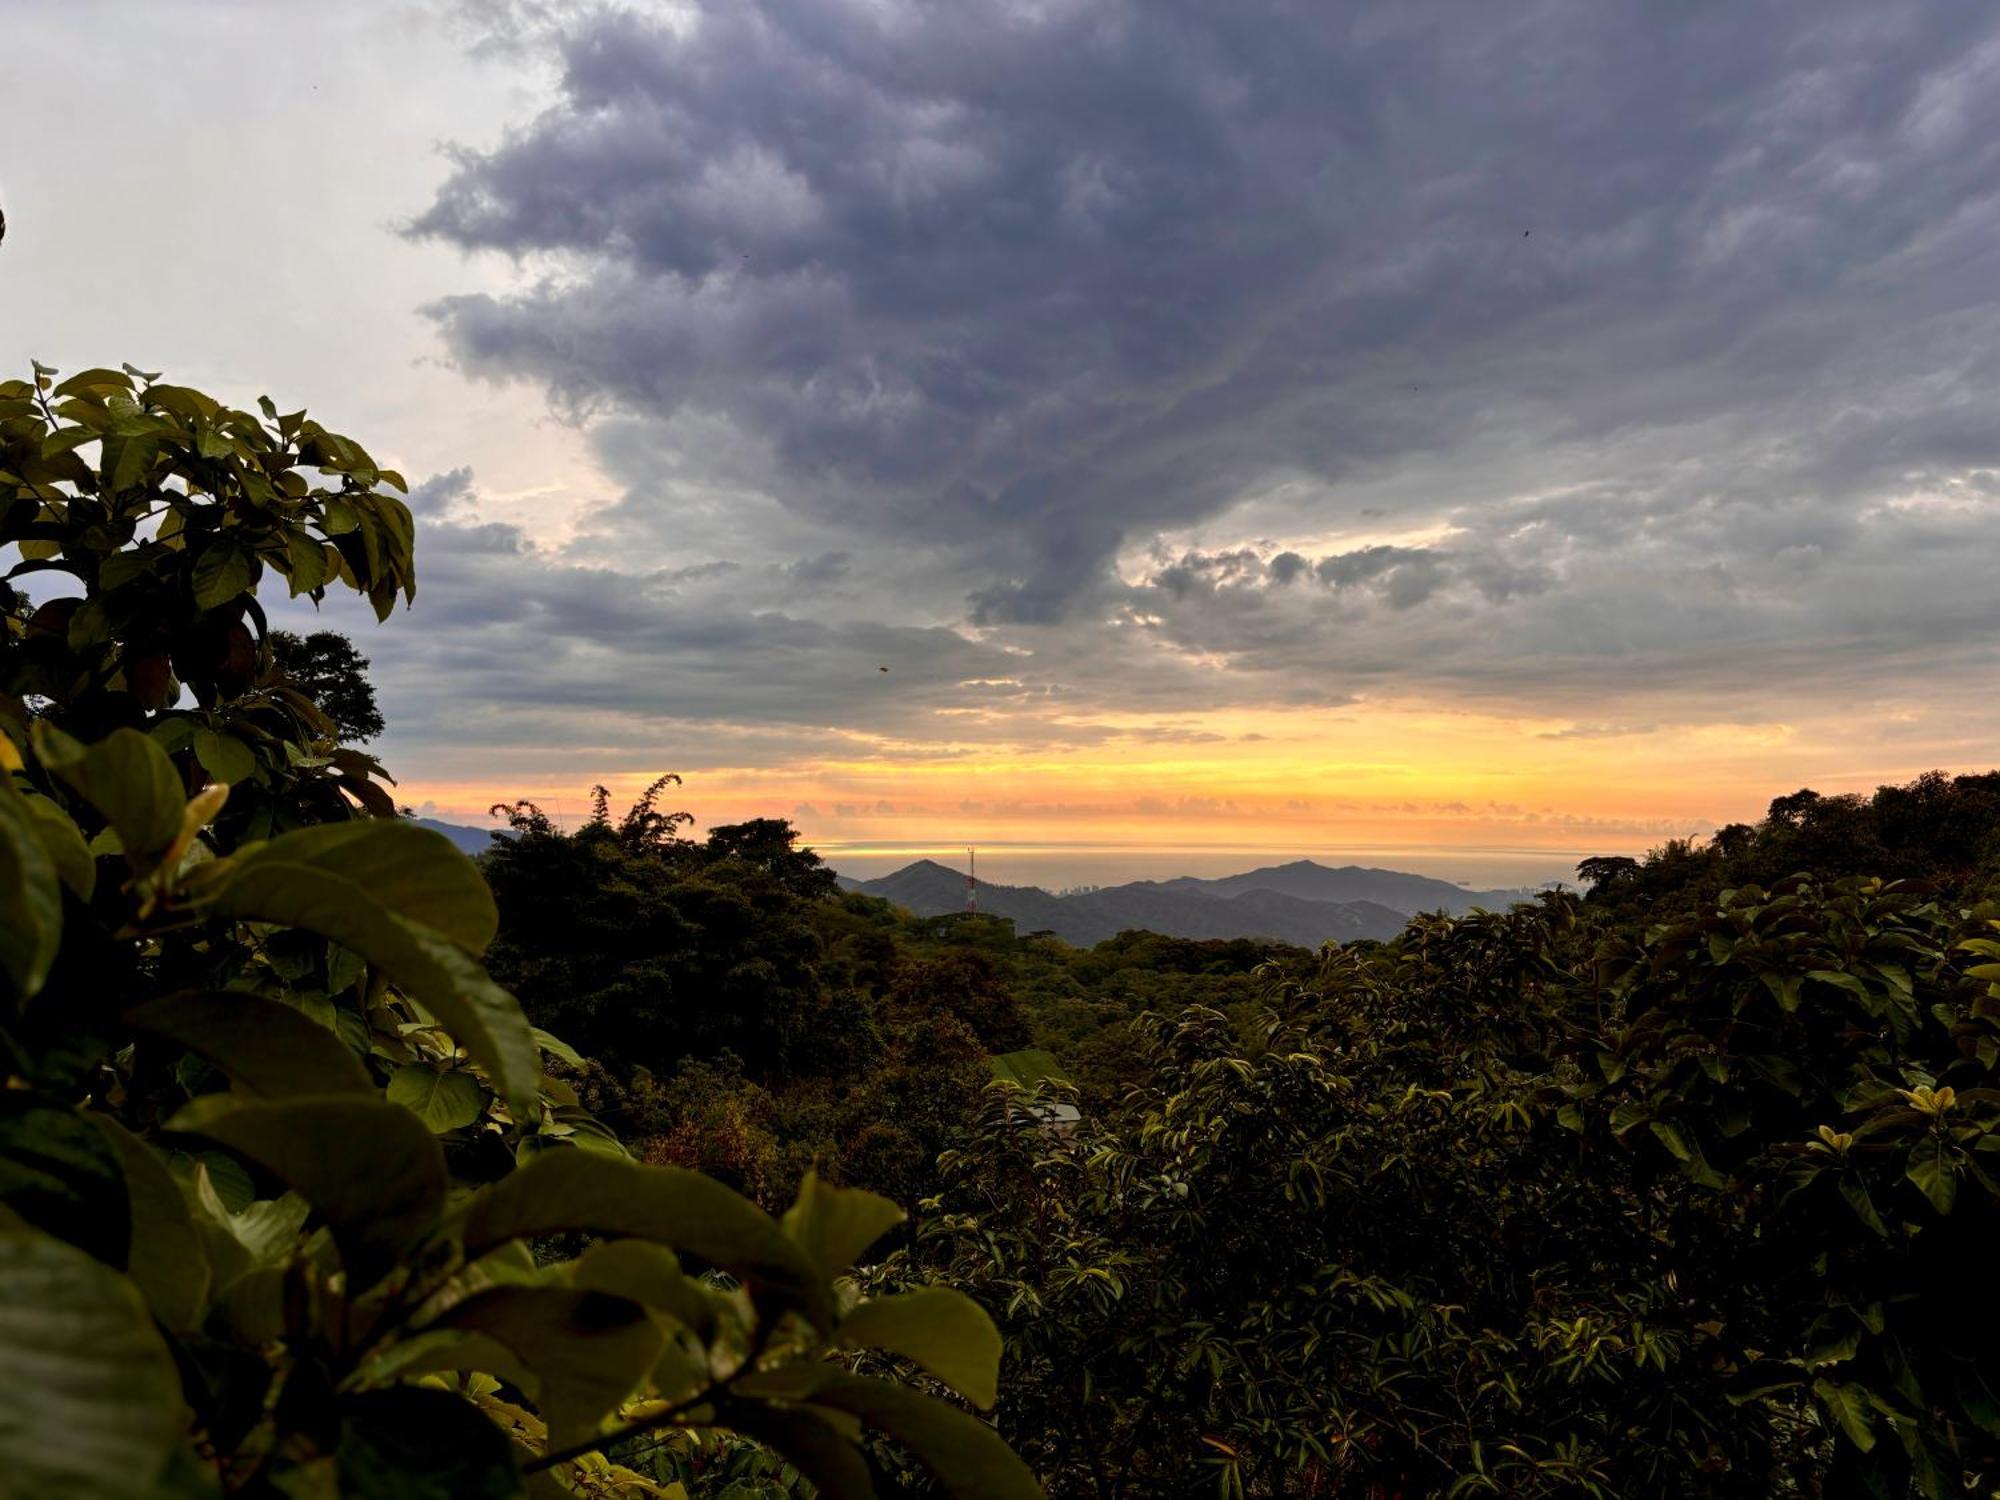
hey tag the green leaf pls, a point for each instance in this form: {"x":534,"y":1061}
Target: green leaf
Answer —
{"x":168,"y":1256}
{"x":228,"y":1178}
{"x":223,"y":572}
{"x":224,"y":756}
{"x":1839,"y":980}
{"x":945,"y":1331}
{"x":1849,"y":1406}
{"x":966,"y":1455}
{"x":1670,"y":1136}
{"x":811,"y":1443}
{"x":59,"y":1174}
{"x":74,"y":865}
{"x":352,"y":888}
{"x":443,"y":1098}
{"x":308,"y":562}
{"x":570,"y":1190}
{"x":1934,"y":1170}
{"x":414,"y":872}
{"x":90,"y":1405}
{"x":445,"y":1349}
{"x":409,"y":1443}
{"x":88,"y":382}
{"x":127,"y":778}
{"x":370,"y":1168}
{"x":834,"y":1225}
{"x":30,"y":896}
{"x":126,"y":460}
{"x":588,"y":1351}
{"x":265,"y":1046}
{"x":260,"y":1236}
{"x":557,"y":1048}
{"x":1855,"y":1192}
{"x":646,"y":1273}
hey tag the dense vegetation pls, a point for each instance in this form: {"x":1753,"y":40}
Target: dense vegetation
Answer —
{"x":333,"y":1164}
{"x":287,"y":1204}
{"x":1660,"y":1189}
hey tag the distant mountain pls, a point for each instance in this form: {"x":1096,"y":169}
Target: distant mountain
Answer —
{"x":1311,"y":881}
{"x":471,"y":840}
{"x":1272,"y":903}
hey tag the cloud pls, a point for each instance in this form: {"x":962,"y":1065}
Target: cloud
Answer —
{"x":817,"y":572}
{"x":1051,"y":278}
{"x":1087,"y":360}
{"x":441,"y":494}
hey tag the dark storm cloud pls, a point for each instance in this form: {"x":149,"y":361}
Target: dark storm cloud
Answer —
{"x":519,"y":645}
{"x":1054,"y":276}
{"x":1566,"y":352}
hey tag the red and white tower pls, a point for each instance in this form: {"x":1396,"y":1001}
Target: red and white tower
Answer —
{"x":972,"y":882}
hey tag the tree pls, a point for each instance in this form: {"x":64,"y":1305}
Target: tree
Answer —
{"x":1606,"y":870}
{"x":646,"y":948}
{"x":966,"y":984}
{"x":327,"y":669}
{"x":772,"y":845}
{"x":274,"y":1146}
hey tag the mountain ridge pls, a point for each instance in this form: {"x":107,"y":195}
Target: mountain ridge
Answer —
{"x":1302,"y":902}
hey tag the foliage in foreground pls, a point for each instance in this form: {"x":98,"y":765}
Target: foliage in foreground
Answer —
{"x":275,"y":1151}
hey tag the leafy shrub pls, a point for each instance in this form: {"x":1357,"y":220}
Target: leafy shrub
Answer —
{"x":274,"y":1147}
{"x":1524,"y":1204}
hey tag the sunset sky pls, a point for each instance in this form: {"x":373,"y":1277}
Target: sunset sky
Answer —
{"x":1470,"y":435}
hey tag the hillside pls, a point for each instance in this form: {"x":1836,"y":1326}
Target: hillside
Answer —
{"x":1261,"y":903}
{"x":473,"y":841}
{"x":1398,"y":890}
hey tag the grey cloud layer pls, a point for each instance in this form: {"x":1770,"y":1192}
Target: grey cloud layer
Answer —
{"x":1647,"y":316}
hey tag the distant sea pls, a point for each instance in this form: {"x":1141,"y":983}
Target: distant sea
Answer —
{"x":1060,"y":866}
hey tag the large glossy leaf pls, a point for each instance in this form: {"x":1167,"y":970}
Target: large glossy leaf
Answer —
{"x":367,"y":915}
{"x":567,"y":1190}
{"x":1933,"y":1167}
{"x":647,"y":1273}
{"x":446,"y":1349}
{"x":415,"y":872}
{"x":443,"y":1098}
{"x":810,"y":1443}
{"x":75,"y":866}
{"x":369,"y":1167}
{"x":945,"y":1331}
{"x":408,"y":1443}
{"x":244,"y":1242}
{"x":588,"y":1351}
{"x":966,"y":1455}
{"x":30,"y":896}
{"x":90,"y":1405}
{"x":224,"y":756}
{"x":266,"y":1047}
{"x":127,"y":778}
{"x":222,"y":572}
{"x":168,"y":1256}
{"x":1850,"y":1409}
{"x":58,"y":1173}
{"x":834,"y":1225}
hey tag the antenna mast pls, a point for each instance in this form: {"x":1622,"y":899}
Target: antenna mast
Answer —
{"x":972,"y":882}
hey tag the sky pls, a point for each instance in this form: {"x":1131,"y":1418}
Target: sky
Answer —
{"x":1470,"y":435}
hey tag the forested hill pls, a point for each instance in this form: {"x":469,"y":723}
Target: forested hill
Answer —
{"x":1398,"y":890}
{"x":1303,"y":902}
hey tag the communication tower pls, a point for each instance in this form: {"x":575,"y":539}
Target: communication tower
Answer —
{"x":972,"y":882}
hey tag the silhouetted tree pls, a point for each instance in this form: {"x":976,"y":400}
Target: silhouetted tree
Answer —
{"x":327,"y":669}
